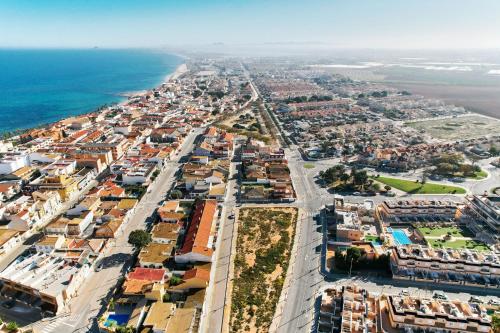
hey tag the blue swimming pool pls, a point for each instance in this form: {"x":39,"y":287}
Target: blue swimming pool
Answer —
{"x":116,"y":319}
{"x":400,"y":237}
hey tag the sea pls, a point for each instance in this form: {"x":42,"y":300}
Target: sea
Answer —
{"x":40,"y":86}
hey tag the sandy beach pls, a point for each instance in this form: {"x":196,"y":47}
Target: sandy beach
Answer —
{"x":181,"y":69}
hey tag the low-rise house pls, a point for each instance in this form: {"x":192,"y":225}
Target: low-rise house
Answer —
{"x":155,"y":255}
{"x":109,"y":229}
{"x":67,"y":186}
{"x":165,"y":233}
{"x":196,"y":278}
{"x":198,"y":240}
{"x":147,"y":274}
{"x":159,"y":316}
{"x":8,"y":190}
{"x":9,"y":239}
{"x":76,"y":226}
{"x":49,"y":243}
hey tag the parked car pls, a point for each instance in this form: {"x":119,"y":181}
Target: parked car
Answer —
{"x":494,"y":302}
{"x":440,"y":295}
{"x":475,"y":299}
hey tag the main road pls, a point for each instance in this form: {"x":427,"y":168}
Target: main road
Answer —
{"x":83,"y":310}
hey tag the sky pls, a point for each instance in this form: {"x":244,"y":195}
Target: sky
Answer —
{"x":400,"y":24}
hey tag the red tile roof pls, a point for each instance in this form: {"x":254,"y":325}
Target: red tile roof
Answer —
{"x":197,"y":273}
{"x":149,"y":274}
{"x":197,"y":236}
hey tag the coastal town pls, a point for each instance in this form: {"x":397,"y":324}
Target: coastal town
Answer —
{"x":254,"y":195}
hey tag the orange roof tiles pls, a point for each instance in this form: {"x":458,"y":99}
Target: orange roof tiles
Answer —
{"x":198,"y":234}
{"x":202,"y":274}
{"x":149,"y":274}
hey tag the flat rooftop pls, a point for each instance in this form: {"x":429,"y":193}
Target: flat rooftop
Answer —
{"x":46,"y":273}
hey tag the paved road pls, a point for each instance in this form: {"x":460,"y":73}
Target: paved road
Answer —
{"x":217,"y":310}
{"x":300,"y":294}
{"x":84,"y":309}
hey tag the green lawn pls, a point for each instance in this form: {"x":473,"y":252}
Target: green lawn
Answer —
{"x":459,"y":244}
{"x":479,"y":175}
{"x":413,"y":187}
{"x":438,"y":232}
{"x":309,"y":165}
{"x":373,"y":238}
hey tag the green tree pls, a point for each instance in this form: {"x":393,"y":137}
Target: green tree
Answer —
{"x":495,"y":323}
{"x":175,"y":280}
{"x":124,"y":329}
{"x":139,"y":238}
{"x":176,"y":194}
{"x":12,"y":326}
{"x":359,"y":177}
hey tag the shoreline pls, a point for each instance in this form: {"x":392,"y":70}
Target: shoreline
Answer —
{"x":179,"y":71}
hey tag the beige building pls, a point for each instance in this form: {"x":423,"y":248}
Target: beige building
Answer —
{"x":411,"y":314}
{"x":448,"y":265}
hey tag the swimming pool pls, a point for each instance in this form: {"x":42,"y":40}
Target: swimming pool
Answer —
{"x":116,"y":319}
{"x":400,"y":237}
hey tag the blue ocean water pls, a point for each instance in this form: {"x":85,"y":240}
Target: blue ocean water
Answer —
{"x":43,"y":86}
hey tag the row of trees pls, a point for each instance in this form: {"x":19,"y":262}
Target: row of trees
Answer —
{"x":313,"y":98}
{"x":341,"y":179}
{"x":451,"y":165}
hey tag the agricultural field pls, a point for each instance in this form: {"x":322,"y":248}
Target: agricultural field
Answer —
{"x":413,"y":187}
{"x":263,"y":246}
{"x":457,"y":128}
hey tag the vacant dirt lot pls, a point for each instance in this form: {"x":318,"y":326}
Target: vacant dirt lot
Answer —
{"x":264,"y":242}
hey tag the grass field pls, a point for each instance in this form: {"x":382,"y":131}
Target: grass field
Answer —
{"x":413,"y":187}
{"x":438,"y":232}
{"x":372,"y":238}
{"x":309,"y":165}
{"x":459,"y":244}
{"x":479,"y":175}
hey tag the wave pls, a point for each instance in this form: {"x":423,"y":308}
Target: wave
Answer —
{"x":494,"y":72}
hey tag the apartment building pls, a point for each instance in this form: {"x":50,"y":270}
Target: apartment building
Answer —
{"x":486,"y":211}
{"x":348,"y":309}
{"x":47,"y":281}
{"x":447,"y":265}
{"x":401,"y":210}
{"x":413,"y":314}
